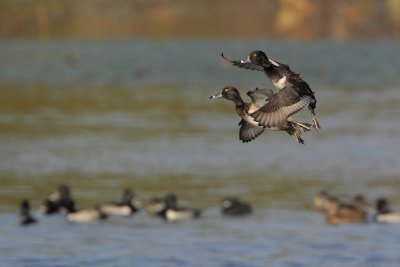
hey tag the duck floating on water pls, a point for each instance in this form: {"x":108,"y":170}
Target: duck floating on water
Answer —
{"x":384,"y":214}
{"x":341,"y":213}
{"x":233,"y":207}
{"x":125,"y":207}
{"x":168,"y":209}
{"x":25,"y":215}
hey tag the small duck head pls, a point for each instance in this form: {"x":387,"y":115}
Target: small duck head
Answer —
{"x":127,"y":196}
{"x":171,"y":201}
{"x":382,"y":206}
{"x":25,"y":207}
{"x":61,"y":193}
{"x":259,"y":58}
{"x":228,"y":92}
{"x":25,"y":216}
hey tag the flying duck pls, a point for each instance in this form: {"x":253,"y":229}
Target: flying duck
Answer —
{"x":249,"y":128}
{"x":294,"y":93}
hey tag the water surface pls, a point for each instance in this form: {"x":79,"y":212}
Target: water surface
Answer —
{"x":105,"y":115}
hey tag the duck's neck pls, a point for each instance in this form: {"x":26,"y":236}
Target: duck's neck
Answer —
{"x":238,"y":101}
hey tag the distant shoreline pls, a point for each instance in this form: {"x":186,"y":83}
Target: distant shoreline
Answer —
{"x":305,"y":19}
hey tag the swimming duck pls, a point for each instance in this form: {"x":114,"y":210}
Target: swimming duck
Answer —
{"x":384,"y":214}
{"x":294,"y":93}
{"x":123,"y":208}
{"x":339,"y":213}
{"x":232,"y":206}
{"x":168,"y":209}
{"x":85,"y":215}
{"x":249,"y":128}
{"x":175,"y":213}
{"x":58,"y":201}
{"x":25,"y":215}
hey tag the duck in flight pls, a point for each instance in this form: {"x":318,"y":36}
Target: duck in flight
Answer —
{"x":249,"y":128}
{"x":294,"y":93}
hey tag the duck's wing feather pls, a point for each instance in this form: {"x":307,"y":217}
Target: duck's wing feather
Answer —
{"x":243,"y":64}
{"x":259,"y":97}
{"x":249,"y":132}
{"x":280,"y":106}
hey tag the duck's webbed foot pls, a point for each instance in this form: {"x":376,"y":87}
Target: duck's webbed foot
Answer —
{"x":315,"y":123}
{"x":295,"y":130}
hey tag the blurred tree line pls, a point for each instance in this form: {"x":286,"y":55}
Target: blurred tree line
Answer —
{"x":298,"y":19}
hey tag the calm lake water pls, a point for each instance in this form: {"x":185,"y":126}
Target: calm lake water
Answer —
{"x":104,"y":115}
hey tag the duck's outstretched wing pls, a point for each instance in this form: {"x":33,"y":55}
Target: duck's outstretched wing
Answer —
{"x":280,"y":106}
{"x":249,"y":132}
{"x":245,"y":64}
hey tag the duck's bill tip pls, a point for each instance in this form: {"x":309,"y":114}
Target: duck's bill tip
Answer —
{"x":218,"y":95}
{"x":246,"y":60}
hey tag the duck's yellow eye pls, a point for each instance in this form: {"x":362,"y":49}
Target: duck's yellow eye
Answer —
{"x":226,"y":90}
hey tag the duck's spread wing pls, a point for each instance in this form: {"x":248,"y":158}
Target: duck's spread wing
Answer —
{"x":243,"y":64}
{"x":259,"y":97}
{"x":249,"y":132}
{"x":280,"y":106}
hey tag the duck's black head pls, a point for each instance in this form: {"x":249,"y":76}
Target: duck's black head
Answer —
{"x":127,"y":196}
{"x":25,"y":216}
{"x":382,"y":205}
{"x":259,"y":58}
{"x":61,"y":193}
{"x":25,"y":207}
{"x":171,"y":200}
{"x":228,"y":92}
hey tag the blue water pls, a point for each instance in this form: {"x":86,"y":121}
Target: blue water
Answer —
{"x":108,"y":114}
{"x":269,"y":238}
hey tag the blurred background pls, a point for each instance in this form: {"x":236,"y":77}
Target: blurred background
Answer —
{"x":105,"y":95}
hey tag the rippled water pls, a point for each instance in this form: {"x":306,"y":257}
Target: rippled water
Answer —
{"x":105,"y":115}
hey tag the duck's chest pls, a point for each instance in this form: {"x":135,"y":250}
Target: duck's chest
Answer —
{"x":278,"y":80}
{"x":244,"y":112}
